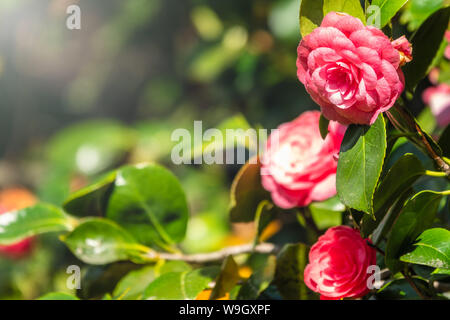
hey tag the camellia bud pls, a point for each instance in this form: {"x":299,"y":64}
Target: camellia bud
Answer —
{"x":404,"y":49}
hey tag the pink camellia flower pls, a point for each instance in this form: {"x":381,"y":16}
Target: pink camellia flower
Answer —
{"x":352,"y":71}
{"x":338,"y":264}
{"x":298,"y":166}
{"x":438,"y":98}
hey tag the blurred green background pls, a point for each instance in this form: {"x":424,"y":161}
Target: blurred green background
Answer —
{"x":76,"y":103}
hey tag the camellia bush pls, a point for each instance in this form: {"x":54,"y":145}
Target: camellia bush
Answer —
{"x":366,"y":181}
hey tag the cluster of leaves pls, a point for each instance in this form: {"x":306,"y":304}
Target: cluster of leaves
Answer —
{"x":130,"y":221}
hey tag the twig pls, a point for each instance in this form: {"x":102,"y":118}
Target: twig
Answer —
{"x":370,"y":244}
{"x":267,"y":248}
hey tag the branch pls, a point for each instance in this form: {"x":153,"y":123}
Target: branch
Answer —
{"x":410,"y":126}
{"x":267,"y":248}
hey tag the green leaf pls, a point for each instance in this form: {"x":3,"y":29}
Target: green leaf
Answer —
{"x":38,"y":219}
{"x":360,"y":162}
{"x":311,"y":15}
{"x":247,"y":193}
{"x":291,"y":264}
{"x":397,"y":181}
{"x":148,"y":201}
{"x":385,"y":224}
{"x":90,"y":147}
{"x":181,"y":285}
{"x":327,"y":213}
{"x":432,"y":248}
{"x":132,"y":286}
{"x":91,"y":200}
{"x":427,"y":120}
{"x":352,"y":7}
{"x":258,"y":281}
{"x":226,"y":280}
{"x":417,"y":216}
{"x":444,"y":142}
{"x":426,"y":42}
{"x":445,"y":272}
{"x":100,"y":241}
{"x":58,"y":296}
{"x":388,"y":9}
{"x":313,"y":11}
{"x":323,"y":126}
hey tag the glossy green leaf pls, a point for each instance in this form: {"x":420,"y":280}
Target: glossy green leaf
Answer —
{"x":327,"y":213}
{"x":132,"y":286}
{"x":445,"y":272}
{"x":360,"y":162}
{"x":181,"y":285}
{"x":91,"y":200}
{"x":100,"y":241}
{"x":432,"y":248}
{"x":352,"y":7}
{"x":313,"y":11}
{"x":247,"y":193}
{"x":417,"y":216}
{"x":427,"y":120}
{"x":265,"y":213}
{"x":227,"y":279}
{"x":291,"y":264}
{"x":97,"y":280}
{"x":426,"y":42}
{"x":399,"y":178}
{"x":323,"y":126}
{"x":38,"y":219}
{"x":149,"y":202}
{"x":258,"y":281}
{"x":311,"y":15}
{"x":387,"y":10}
{"x":90,"y":147}
{"x":385,"y":224}
{"x":58,"y":296}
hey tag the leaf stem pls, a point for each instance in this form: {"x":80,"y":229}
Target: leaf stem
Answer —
{"x":435,"y":173}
